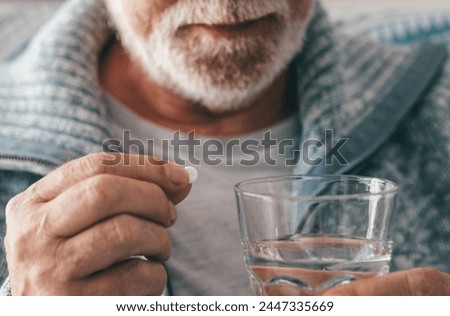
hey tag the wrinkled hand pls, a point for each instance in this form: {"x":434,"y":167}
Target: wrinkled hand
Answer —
{"x":423,"y":281}
{"x":76,"y":231}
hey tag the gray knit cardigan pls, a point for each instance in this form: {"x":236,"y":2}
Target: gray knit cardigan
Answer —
{"x":392,"y":103}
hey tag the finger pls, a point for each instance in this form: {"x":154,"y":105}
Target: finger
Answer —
{"x":172,"y":178}
{"x":135,"y":277}
{"x":422,"y":281}
{"x":100,"y":197}
{"x":114,"y":240}
{"x":394,"y":284}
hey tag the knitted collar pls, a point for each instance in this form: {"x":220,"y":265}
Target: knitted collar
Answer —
{"x":54,"y":110}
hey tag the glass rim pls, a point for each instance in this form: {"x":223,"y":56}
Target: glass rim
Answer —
{"x":391,"y":190}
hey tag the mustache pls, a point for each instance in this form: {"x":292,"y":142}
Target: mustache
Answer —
{"x":215,"y":12}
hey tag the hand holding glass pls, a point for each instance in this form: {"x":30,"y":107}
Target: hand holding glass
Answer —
{"x":304,"y":234}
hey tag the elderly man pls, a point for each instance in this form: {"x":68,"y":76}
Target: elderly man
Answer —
{"x":228,"y":70}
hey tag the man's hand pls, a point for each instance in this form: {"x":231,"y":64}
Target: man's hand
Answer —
{"x":77,"y":231}
{"x":423,"y":281}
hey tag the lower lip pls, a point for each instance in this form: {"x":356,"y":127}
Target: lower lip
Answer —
{"x":233,"y":29}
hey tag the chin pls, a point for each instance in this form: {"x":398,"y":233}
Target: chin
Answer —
{"x":222,"y":66}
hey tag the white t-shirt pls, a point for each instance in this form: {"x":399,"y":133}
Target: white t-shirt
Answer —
{"x":207,"y":257}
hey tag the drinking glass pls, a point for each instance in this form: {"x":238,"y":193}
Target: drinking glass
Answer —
{"x":302,"y":235}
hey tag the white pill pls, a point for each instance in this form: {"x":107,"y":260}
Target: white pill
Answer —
{"x":193,"y":174}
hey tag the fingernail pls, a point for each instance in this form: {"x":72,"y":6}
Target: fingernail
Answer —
{"x":193,"y":174}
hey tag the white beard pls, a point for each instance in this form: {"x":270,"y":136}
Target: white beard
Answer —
{"x":220,"y":74}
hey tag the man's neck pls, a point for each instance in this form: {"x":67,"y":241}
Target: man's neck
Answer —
{"x":122,"y":77}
